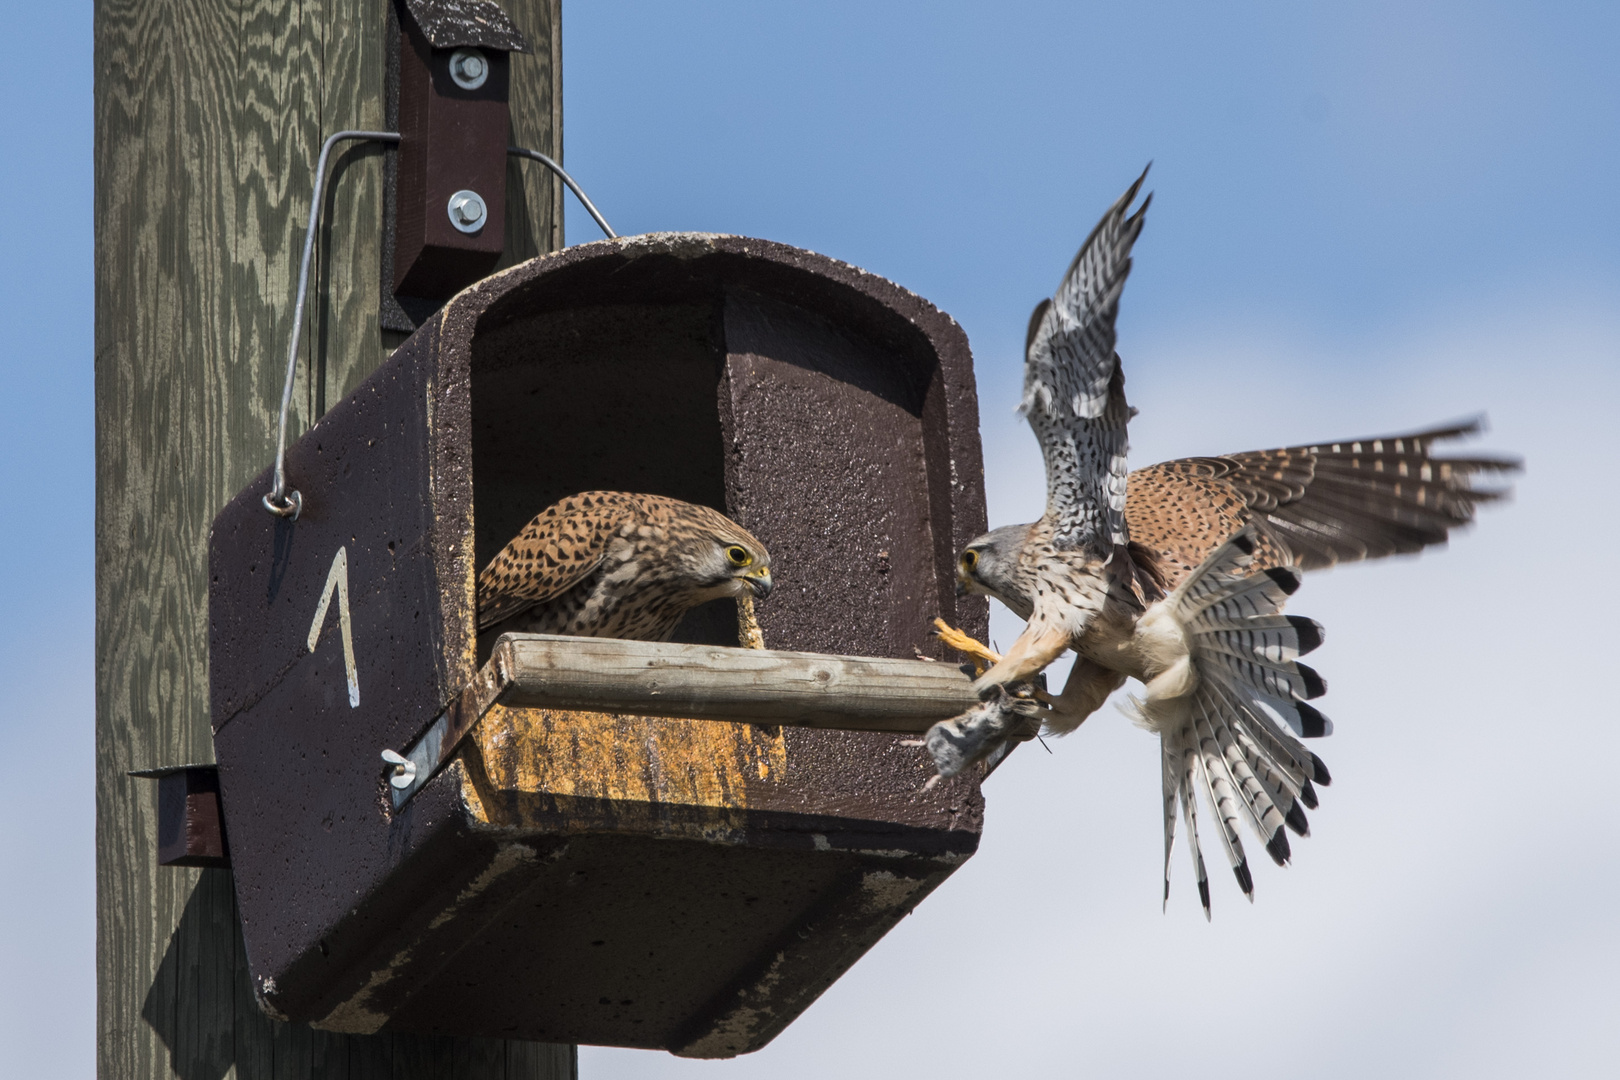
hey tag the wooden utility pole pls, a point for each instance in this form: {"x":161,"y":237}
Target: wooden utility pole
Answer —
{"x":209,"y":117}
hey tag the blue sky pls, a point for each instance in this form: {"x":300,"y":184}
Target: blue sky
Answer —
{"x":1366,"y":217}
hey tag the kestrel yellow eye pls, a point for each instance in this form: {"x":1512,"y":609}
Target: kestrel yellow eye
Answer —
{"x":738,"y":555}
{"x":970,"y":559}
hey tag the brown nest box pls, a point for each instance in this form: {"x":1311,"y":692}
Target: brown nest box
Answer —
{"x":578,"y":876}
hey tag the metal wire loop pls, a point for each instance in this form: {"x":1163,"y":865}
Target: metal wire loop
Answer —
{"x":280,"y":501}
{"x":289,"y":504}
{"x":579,"y":192}
{"x":290,"y":508}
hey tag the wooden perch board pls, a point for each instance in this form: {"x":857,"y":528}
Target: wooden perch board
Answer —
{"x":695,"y":682}
{"x":708,"y":682}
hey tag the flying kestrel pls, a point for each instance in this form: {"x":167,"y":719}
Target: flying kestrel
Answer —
{"x":611,"y":564}
{"x":1176,"y":574}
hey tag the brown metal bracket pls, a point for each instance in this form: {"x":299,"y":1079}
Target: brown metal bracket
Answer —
{"x":191,"y":828}
{"x":444,"y":210}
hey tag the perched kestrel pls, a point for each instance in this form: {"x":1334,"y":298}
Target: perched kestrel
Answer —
{"x":1176,"y":575}
{"x":612,"y":564}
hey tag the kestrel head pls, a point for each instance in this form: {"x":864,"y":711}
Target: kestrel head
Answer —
{"x":718,"y":557}
{"x":990,"y":566}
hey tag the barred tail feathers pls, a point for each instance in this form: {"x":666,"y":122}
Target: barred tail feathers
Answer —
{"x":1258,"y":803}
{"x":1189,"y":811}
{"x":1170,"y":776}
{"x":1233,"y":709}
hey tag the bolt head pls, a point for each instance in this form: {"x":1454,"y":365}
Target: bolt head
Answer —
{"x":467,"y":211}
{"x":469,"y":68}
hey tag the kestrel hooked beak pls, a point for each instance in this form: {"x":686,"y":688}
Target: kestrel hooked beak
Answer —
{"x":759,"y":581}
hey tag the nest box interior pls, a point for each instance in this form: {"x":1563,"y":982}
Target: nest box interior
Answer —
{"x":580,"y":876}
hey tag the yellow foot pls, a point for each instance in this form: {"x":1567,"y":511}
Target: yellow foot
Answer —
{"x":983,"y":658}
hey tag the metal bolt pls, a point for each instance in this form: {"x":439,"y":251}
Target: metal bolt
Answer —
{"x":468,"y":68}
{"x":467,"y":211}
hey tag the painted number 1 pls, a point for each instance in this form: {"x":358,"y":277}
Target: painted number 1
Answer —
{"x":337,"y":580}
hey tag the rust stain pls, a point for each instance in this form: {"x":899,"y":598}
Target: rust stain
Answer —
{"x":630,"y":758}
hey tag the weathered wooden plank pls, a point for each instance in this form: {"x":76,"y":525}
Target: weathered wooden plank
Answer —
{"x":329,"y":1056}
{"x":343,"y":344}
{"x":373,"y":1058}
{"x":163,"y":103}
{"x":221,"y":969}
{"x":423,"y":1059}
{"x":292,"y":1052}
{"x":208,"y":117}
{"x":708,"y":682}
{"x":695,"y":682}
{"x":534,"y":198}
{"x":251,"y":1054}
{"x":542,"y":1061}
{"x":479,"y":1057}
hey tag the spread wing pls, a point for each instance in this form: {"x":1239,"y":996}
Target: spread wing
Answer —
{"x":1317,"y":505}
{"x":556,"y":551}
{"x":1074,"y":388}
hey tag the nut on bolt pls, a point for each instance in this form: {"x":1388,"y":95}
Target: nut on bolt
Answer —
{"x":468,"y":68}
{"x":401,"y":771}
{"x":467,"y":211}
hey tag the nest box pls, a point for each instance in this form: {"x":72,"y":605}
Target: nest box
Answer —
{"x":597,"y":875}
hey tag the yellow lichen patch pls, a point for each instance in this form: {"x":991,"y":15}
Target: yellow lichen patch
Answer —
{"x":636,"y":759}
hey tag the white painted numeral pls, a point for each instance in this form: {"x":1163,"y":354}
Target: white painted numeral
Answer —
{"x":337,"y":580}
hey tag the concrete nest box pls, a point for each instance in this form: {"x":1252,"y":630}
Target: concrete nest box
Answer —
{"x":598,"y":875}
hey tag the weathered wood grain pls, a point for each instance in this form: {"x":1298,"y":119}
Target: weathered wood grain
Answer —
{"x":708,"y":682}
{"x":541,"y":1059}
{"x":208,"y":118}
{"x":343,"y":343}
{"x":534,"y":198}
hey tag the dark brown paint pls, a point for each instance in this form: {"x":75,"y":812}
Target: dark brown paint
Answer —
{"x":828,"y":410}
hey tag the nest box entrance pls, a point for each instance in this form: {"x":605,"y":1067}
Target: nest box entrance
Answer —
{"x":575,"y":875}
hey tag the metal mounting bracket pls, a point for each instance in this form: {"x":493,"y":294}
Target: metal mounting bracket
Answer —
{"x":444,"y":208}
